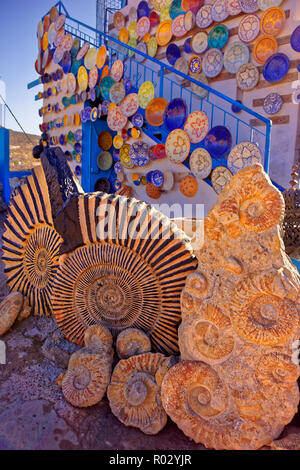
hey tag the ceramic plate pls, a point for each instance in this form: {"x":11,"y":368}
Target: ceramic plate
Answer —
{"x":143,"y":9}
{"x":51,"y":33}
{"x":249,"y":28}
{"x":82,"y":78}
{"x":248,"y":6}
{"x":212,"y":63}
{"x":175,"y":9}
{"x":295,"y":39}
{"x":175,"y":114}
{"x":218,"y":142}
{"x":155,"y":111}
{"x":273,"y":103}
{"x":187,"y":46}
{"x":247,"y":77}
{"x":132,"y":15}
{"x":197,"y":126}
{"x":218,"y":11}
{"x":116,"y":121}
{"x":146,"y":94}
{"x":276,"y":67}
{"x":203,"y":17}
{"x":189,"y":20}
{"x":172,"y":53}
{"x":178,"y":146}
{"x":142,"y":47}
{"x":194,"y":65}
{"x":218,"y":36}
{"x":105,"y":85}
{"x":119,"y":20}
{"x":265,"y":4}
{"x":152,"y":47}
{"x":53,"y":14}
{"x":93,"y":77}
{"x":154,"y":19}
{"x":123,"y":35}
{"x":67,"y":43}
{"x":58,"y":55}
{"x":59,"y":37}
{"x":272,"y":21}
{"x":242,"y":155}
{"x":199,"y":42}
{"x":129,"y":105}
{"x":66,"y":62}
{"x":182,"y":65}
{"x":178,"y":28}
{"x":143,"y":26}
{"x":105,"y":140}
{"x":233,"y":8}
{"x":189,"y":186}
{"x":82,"y":51}
{"x":164,"y":33}
{"x":168,"y":180}
{"x":220,"y":176}
{"x":60,"y":22}
{"x":104,"y":161}
{"x":236,"y":54}
{"x":125,"y":157}
{"x":200,"y":163}
{"x":117,"y":93}
{"x":117,"y":70}
{"x":200,"y":77}
{"x":264,"y":47}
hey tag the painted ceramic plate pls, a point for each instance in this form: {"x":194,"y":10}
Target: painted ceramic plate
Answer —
{"x":139,"y":153}
{"x":199,"y":42}
{"x":264,"y":47}
{"x":175,"y":9}
{"x":146,"y":94}
{"x":60,"y":22}
{"x":242,"y":155}
{"x":295,"y":39}
{"x":273,"y":103}
{"x":117,"y":70}
{"x":218,"y":11}
{"x":194,"y":5}
{"x":116,"y":121}
{"x":143,"y":26}
{"x":93,"y":77}
{"x":247,"y":77}
{"x":67,"y":42}
{"x":200,"y":77}
{"x":105,"y":140}
{"x":66,"y":62}
{"x":101,"y":57}
{"x":236,"y":54}
{"x":248,"y":6}
{"x":51,"y":33}
{"x":75,"y":47}
{"x":196,"y":126}
{"x":117,"y":92}
{"x":164,"y":14}
{"x":168,"y":180}
{"x":82,"y":51}
{"x":105,"y":86}
{"x":182,"y":65}
{"x":178,"y":146}
{"x":104,"y":161}
{"x":233,"y":8}
{"x":132,"y":15}
{"x":173,"y":53}
{"x":187,"y":46}
{"x":175,"y":114}
{"x":59,"y":37}
{"x":189,"y":20}
{"x":129,"y":105}
{"x":189,"y":186}
{"x":200,"y":163}
{"x":155,"y":111}
{"x":164,"y":33}
{"x":194,"y":65}
{"x":212,"y":63}
{"x":125,"y":157}
{"x":265,"y":4}
{"x":143,"y":9}
{"x":218,"y":142}
{"x":82,"y":78}
{"x":137,"y":120}
{"x":178,"y":28}
{"x":123,"y":35}
{"x":90,"y":58}
{"x":75,"y":66}
{"x":152,"y":47}
{"x":154,"y":19}
{"x":142,"y":47}
{"x":220,"y":176}
{"x":119,"y":20}
{"x":249,"y":28}
{"x":53,"y":14}
{"x":276,"y":67}
{"x":272,"y":21}
{"x":218,"y":36}
{"x":203,"y":17}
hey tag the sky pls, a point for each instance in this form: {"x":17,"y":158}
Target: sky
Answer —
{"x":18,"y":53}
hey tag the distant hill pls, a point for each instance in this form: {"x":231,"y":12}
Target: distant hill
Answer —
{"x":21,"y":151}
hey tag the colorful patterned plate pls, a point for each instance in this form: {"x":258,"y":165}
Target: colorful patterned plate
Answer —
{"x":264,"y":47}
{"x":101,"y":57}
{"x":168,"y":180}
{"x":164,"y":14}
{"x":60,"y":22}
{"x":125,"y":157}
{"x":59,"y":37}
{"x":195,"y":65}
{"x":248,"y":6}
{"x":117,"y":93}
{"x":75,"y":47}
{"x":242,"y":155}
{"x":178,"y":28}
{"x":200,"y":163}
{"x":67,"y":43}
{"x":82,"y":78}
{"x":129,"y":105}
{"x":178,"y":146}
{"x":105,"y":85}
{"x":146,"y":94}
{"x":82,"y":51}
{"x":196,"y":126}
{"x":276,"y":67}
{"x":189,"y":20}
{"x":66,"y":62}
{"x":247,"y":77}
{"x":199,"y":42}
{"x":203,"y":17}
{"x":93,"y":77}
{"x":116,"y":121}
{"x":265,"y":4}
{"x":143,"y":26}
{"x":119,"y":20}
{"x":236,"y":54}
{"x":272,"y":21}
{"x":173,"y":53}
{"x":212,"y":63}
{"x":46,"y":23}
{"x":117,"y":70}
{"x":51,"y":34}
{"x":154,"y":19}
{"x":164,"y":33}
{"x":249,"y":28}
{"x":175,"y":9}
{"x":273,"y":103}
{"x":155,"y":111}
{"x":90,"y":58}
{"x":218,"y":11}
{"x":152,"y":47}
{"x":187,"y":46}
{"x":218,"y":142}
{"x":132,"y":15}
{"x":175,"y":114}
{"x":132,"y":30}
{"x":233,"y":8}
{"x":53,"y":14}
{"x":218,"y":36}
{"x":104,"y":161}
{"x":220,"y":176}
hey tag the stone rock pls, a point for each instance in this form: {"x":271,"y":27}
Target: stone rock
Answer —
{"x":26,"y":310}
{"x":9,"y":310}
{"x":236,"y":386}
{"x":291,"y":441}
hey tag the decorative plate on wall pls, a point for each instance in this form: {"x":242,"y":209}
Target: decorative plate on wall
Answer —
{"x":123,"y":35}
{"x":175,"y":114}
{"x":152,"y":47}
{"x":66,"y":62}
{"x":264,"y":47}
{"x":212,"y":63}
{"x":182,"y":65}
{"x":187,"y":46}
{"x":203,"y":17}
{"x":60,"y":22}
{"x":132,"y":15}
{"x":247,"y":77}
{"x":143,"y":26}
{"x":220,"y":176}
{"x":199,"y":42}
{"x":218,"y":142}
{"x":248,"y":6}
{"x":196,"y":126}
{"x":143,"y":9}
{"x":249,"y":28}
{"x":155,"y":111}
{"x":218,"y":36}
{"x":101,"y":57}
{"x":154,"y":19}
{"x":164,"y":33}
{"x":117,"y":92}
{"x":178,"y":28}
{"x":218,"y":11}
{"x":200,"y":163}
{"x":295,"y":39}
{"x":273,"y":103}
{"x":132,"y":30}
{"x":276,"y":67}
{"x":82,"y":51}
{"x":236,"y":54}
{"x":67,"y":42}
{"x":200,"y":77}
{"x":142,"y":47}
{"x":243,"y":154}
{"x":117,"y":70}
{"x":115,"y":119}
{"x":129,"y":105}
{"x":195,"y":64}
{"x":119,"y":20}
{"x":175,"y":9}
{"x":233,"y":8}
{"x":146,"y":94}
{"x":59,"y":37}
{"x":82,"y":78}
{"x":272,"y":21}
{"x":265,"y":4}
{"x":104,"y":161}
{"x":189,"y":186}
{"x":189,"y":20}
{"x":105,"y":85}
{"x":173,"y":53}
{"x":51,"y":33}
{"x":93,"y":77}
{"x":178,"y":146}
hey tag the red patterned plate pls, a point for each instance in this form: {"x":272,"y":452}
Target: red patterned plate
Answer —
{"x":59,"y":37}
{"x":233,"y":7}
{"x":178,"y":28}
{"x":117,"y":70}
{"x":129,"y":105}
{"x":82,"y":51}
{"x":67,"y":43}
{"x":93,"y":77}
{"x":197,"y":126}
{"x":116,"y":121}
{"x":143,"y":26}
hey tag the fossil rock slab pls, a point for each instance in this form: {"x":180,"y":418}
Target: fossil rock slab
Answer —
{"x":9,"y":311}
{"x":236,"y":386}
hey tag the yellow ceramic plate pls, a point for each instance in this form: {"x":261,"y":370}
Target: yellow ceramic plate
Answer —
{"x":264,"y":47}
{"x":101,"y":57}
{"x":132,"y":30}
{"x":90,"y":58}
{"x":164,"y":33}
{"x":123,"y":35}
{"x":152,"y":47}
{"x":165,"y":14}
{"x":146,"y":94}
{"x":45,"y":42}
{"x":82,"y":78}
{"x":272,"y":21}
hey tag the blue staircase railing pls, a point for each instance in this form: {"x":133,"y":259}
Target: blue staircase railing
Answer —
{"x":140,"y":67}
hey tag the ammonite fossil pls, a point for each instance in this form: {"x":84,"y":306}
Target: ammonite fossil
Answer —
{"x":31,"y":243}
{"x":134,"y":395}
{"x":99,"y":338}
{"x":10,"y":308}
{"x":131,"y":342}
{"x":129,"y":274}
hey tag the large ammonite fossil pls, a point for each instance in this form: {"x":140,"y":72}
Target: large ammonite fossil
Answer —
{"x":129,"y":274}
{"x":31,"y":243}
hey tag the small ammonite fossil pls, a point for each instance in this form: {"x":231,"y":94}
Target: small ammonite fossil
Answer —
{"x":131,"y":342}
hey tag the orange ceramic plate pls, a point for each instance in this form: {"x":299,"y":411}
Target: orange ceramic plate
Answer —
{"x":105,"y":72}
{"x":101,"y":57}
{"x":164,"y":33}
{"x":45,"y":42}
{"x":105,"y":140}
{"x":155,"y":111}
{"x":53,"y":14}
{"x":123,"y":35}
{"x":272,"y":21}
{"x":83,"y":78}
{"x":264,"y":47}
{"x":46,"y":24}
{"x":77,"y":119}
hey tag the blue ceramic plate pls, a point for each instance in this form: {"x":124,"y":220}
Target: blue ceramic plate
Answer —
{"x":187,"y":46}
{"x":143,"y":9}
{"x":137,"y":120}
{"x":75,"y":66}
{"x":157,"y":178}
{"x":139,"y":153}
{"x":218,"y":36}
{"x":175,"y":9}
{"x":273,"y":103}
{"x":276,"y":67}
{"x":175,"y":114}
{"x":173,"y":53}
{"x":105,"y":85}
{"x":218,"y":142}
{"x":127,"y":84}
{"x":295,"y":39}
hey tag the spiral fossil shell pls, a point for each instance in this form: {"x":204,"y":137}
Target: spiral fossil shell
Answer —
{"x":10,"y":308}
{"x":134,"y":395}
{"x":98,"y":337}
{"x":31,"y":243}
{"x":86,"y":380}
{"x":131,"y":342}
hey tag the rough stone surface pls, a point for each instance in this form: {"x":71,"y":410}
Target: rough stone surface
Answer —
{"x":10,"y":308}
{"x":290,"y":440}
{"x":236,"y":387}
